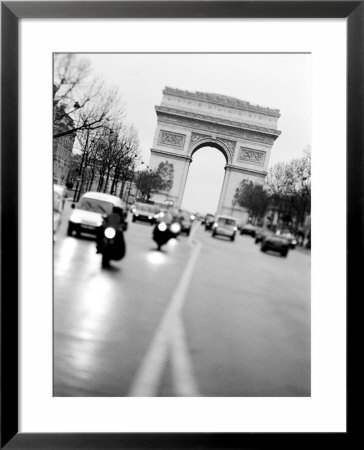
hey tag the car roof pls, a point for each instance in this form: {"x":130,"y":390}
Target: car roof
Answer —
{"x":104,"y":197}
{"x":219,"y":216}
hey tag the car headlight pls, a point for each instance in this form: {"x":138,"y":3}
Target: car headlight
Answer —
{"x":235,"y":228}
{"x":150,"y":217}
{"x":133,"y":210}
{"x":75,"y":218}
{"x":294,"y":242}
{"x":193,"y":217}
{"x":110,"y":233}
{"x":162,"y":226}
{"x":175,"y":227}
{"x":215,"y":225}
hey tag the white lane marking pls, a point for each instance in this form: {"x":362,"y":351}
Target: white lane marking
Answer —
{"x":151,"y":369}
{"x":182,"y":373}
{"x":193,"y":232}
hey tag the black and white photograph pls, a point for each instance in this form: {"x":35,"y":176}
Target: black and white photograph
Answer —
{"x":182,"y":224}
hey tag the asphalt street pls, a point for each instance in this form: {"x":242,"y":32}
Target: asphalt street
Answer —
{"x":205,"y":317}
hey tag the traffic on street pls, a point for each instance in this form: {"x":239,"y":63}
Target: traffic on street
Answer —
{"x":212,"y":313}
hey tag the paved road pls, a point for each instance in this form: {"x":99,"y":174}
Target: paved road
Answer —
{"x":206,"y":317}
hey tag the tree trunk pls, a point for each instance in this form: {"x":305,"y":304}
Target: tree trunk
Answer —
{"x":107,"y":180}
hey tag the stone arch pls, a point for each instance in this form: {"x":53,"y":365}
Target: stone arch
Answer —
{"x":210,"y":142}
{"x":187,"y":121}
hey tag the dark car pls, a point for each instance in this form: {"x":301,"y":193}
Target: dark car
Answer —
{"x":144,"y":212}
{"x":209,"y":221}
{"x":185,"y":219}
{"x":289,"y":236}
{"x":275,"y":243}
{"x":248,"y":229}
{"x":261,"y":233}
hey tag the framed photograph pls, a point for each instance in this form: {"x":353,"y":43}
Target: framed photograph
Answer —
{"x":159,"y":284}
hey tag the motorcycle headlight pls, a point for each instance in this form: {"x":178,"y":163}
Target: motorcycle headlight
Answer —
{"x":294,"y":242}
{"x":175,"y":227}
{"x":133,"y":210}
{"x":110,"y":233}
{"x":150,"y":217}
{"x":162,"y":226}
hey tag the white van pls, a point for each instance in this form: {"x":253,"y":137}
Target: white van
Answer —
{"x":225,"y":226}
{"x":90,"y":211}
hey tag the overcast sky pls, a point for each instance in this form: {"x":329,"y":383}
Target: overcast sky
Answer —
{"x":281,"y":81}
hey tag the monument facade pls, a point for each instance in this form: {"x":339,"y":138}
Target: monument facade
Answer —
{"x":188,"y":121}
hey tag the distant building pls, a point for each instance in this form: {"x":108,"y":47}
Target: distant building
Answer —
{"x":63,"y":145}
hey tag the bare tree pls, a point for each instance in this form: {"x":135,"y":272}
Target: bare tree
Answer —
{"x":290,"y":189}
{"x":148,"y":181}
{"x":70,"y":74}
{"x":278,"y":181}
{"x":127,"y":158}
{"x":80,"y":98}
{"x":253,"y":197}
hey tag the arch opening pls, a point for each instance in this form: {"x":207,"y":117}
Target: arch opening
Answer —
{"x":205,"y":179}
{"x":212,"y":144}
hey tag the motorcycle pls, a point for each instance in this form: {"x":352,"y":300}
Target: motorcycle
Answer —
{"x":112,"y":245}
{"x":163,"y":232}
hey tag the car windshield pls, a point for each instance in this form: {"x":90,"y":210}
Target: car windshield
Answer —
{"x":145,"y":207}
{"x":225,"y":221}
{"x":95,"y":205}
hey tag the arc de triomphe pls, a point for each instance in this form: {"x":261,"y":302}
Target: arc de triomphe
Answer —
{"x":243,"y":132}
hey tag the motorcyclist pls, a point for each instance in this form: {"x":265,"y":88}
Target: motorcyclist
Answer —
{"x":162,"y":236}
{"x":116,"y":220}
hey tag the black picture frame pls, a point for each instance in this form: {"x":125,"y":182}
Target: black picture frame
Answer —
{"x":11,"y":12}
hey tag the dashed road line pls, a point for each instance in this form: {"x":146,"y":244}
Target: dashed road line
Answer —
{"x":182,"y":372}
{"x":166,"y":338}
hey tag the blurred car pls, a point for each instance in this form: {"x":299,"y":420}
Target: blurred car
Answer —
{"x":59,"y":199}
{"x":275,"y":243}
{"x":261,"y":233}
{"x":145,"y":212}
{"x":209,"y":221}
{"x":225,"y":226}
{"x":289,"y":236}
{"x":90,"y":211}
{"x":248,"y":229}
{"x":186,"y":220}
